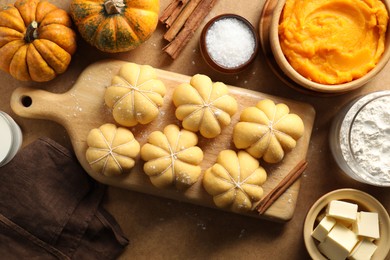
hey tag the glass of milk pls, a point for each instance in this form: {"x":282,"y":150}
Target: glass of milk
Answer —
{"x":10,"y":138}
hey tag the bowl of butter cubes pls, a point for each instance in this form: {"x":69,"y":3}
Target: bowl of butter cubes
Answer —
{"x":347,"y":224}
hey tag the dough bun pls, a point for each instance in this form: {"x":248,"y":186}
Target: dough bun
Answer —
{"x":268,"y":131}
{"x":111,"y":150}
{"x":172,"y":157}
{"x":204,"y":106}
{"x":135,"y":95}
{"x":235,"y":181}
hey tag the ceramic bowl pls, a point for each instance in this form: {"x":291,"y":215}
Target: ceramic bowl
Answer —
{"x":300,"y":80}
{"x":208,"y":57}
{"x":365,"y":202}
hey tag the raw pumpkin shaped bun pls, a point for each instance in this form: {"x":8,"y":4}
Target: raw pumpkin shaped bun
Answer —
{"x":268,"y":131}
{"x":235,"y":181}
{"x":204,"y":106}
{"x":115,"y":25}
{"x":111,"y":150}
{"x":36,"y":40}
{"x":172,"y":157}
{"x":135,"y":95}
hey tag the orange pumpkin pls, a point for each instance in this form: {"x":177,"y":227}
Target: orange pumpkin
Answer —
{"x":115,"y":25}
{"x":36,"y":40}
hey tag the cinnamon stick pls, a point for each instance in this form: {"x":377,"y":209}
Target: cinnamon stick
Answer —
{"x":181,"y":19}
{"x":172,"y":18}
{"x":173,"y":5}
{"x":287,"y":181}
{"x":191,"y":25}
{"x":174,"y":47}
{"x":172,"y":11}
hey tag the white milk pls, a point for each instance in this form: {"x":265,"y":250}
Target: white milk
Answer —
{"x":10,"y":138}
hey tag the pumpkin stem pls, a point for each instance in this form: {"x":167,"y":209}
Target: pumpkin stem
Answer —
{"x":113,"y":6}
{"x":31,"y":32}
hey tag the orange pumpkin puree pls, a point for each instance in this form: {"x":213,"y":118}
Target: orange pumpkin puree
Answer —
{"x":333,"y":41}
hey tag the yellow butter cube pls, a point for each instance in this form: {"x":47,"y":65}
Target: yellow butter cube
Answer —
{"x":342,"y":210}
{"x":367,"y":225}
{"x":363,"y":250}
{"x":323,"y":228}
{"x":339,"y":243}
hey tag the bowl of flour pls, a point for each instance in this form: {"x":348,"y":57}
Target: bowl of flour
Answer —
{"x":360,"y":139}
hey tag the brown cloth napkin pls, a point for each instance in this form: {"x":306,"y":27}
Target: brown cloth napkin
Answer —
{"x":51,"y":209}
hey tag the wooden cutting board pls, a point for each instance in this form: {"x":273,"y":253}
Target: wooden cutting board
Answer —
{"x":82,"y":108}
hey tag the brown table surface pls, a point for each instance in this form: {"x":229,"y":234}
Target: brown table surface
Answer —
{"x":159,"y":228}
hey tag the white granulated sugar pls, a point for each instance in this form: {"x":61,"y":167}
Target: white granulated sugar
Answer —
{"x":230,"y":42}
{"x":370,"y":139}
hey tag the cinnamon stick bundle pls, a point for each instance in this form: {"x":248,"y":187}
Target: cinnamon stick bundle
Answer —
{"x":188,"y":29}
{"x":287,"y":181}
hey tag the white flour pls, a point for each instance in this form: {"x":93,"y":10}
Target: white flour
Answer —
{"x":370,"y":139}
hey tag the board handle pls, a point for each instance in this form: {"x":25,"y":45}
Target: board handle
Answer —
{"x":36,"y":103}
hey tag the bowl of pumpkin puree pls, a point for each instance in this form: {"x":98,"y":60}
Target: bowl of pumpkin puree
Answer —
{"x":331,"y":46}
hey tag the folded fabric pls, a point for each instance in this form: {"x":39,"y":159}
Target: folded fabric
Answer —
{"x":50,"y":208}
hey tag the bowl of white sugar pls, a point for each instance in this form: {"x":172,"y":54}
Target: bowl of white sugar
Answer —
{"x":229,"y":43}
{"x":360,"y":139}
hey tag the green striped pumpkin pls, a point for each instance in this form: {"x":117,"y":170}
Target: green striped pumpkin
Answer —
{"x":115,"y":25}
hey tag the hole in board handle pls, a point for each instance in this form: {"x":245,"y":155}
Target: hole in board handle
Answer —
{"x":26,"y":101}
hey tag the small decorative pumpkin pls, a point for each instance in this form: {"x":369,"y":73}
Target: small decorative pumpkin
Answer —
{"x":36,"y":40}
{"x":115,"y":25}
